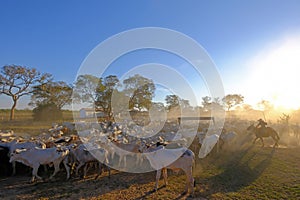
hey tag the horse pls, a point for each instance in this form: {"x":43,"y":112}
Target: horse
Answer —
{"x":264,"y":132}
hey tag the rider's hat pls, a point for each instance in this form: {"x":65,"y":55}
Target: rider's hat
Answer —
{"x":260,"y":120}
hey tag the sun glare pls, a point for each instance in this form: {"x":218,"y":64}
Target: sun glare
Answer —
{"x":276,"y":75}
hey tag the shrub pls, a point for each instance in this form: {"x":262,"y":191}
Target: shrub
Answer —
{"x":47,"y":112}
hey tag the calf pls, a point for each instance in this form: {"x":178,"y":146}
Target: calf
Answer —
{"x":37,"y":156}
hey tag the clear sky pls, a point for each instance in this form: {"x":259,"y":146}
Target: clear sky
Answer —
{"x":244,"y":38}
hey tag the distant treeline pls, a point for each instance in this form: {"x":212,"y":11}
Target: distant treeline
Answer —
{"x":27,"y":114}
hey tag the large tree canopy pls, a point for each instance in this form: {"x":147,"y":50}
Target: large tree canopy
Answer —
{"x":172,"y":101}
{"x":87,"y":88}
{"x":232,"y":100}
{"x":104,"y":96}
{"x":209,"y":104}
{"x":97,"y":91}
{"x":54,"y":93}
{"x":140,"y":90}
{"x":17,"y":81}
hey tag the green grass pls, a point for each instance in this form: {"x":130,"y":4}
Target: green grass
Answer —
{"x":24,"y":123}
{"x":252,"y":173}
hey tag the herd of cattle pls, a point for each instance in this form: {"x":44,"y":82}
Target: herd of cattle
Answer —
{"x":77,"y":145}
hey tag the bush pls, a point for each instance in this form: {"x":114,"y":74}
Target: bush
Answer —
{"x":47,"y":112}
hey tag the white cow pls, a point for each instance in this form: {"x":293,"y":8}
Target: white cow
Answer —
{"x":6,"y":133}
{"x":162,"y":159}
{"x":207,"y":145}
{"x":201,"y":137}
{"x":37,"y":156}
{"x":124,"y":150}
{"x":13,"y":145}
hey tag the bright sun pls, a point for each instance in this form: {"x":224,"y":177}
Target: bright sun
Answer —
{"x":276,"y":75}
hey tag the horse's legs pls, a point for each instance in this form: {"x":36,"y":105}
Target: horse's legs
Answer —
{"x":275,"y":140}
{"x":255,"y":140}
{"x":263,"y":144}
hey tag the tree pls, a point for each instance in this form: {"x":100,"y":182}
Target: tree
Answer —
{"x":185,"y":104}
{"x":216,"y":104}
{"x":52,"y":93}
{"x":140,"y":90}
{"x":209,"y":104}
{"x":86,"y":88}
{"x":172,"y":101}
{"x":158,"y":106}
{"x":206,"y":103}
{"x":232,"y":100}
{"x":104,"y":96}
{"x":17,"y":81}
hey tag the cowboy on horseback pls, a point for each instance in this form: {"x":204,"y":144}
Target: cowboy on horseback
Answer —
{"x":261,"y":130}
{"x":261,"y":124}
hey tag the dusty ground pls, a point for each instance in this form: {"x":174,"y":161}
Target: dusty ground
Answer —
{"x":248,"y":173}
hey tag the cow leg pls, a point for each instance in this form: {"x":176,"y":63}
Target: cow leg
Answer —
{"x":112,"y":155}
{"x":158,"y":174}
{"x":45,"y":168}
{"x":165,"y":175}
{"x":120,"y":160}
{"x":34,"y":173}
{"x":141,"y":159}
{"x":14,"y":167}
{"x":262,"y":141}
{"x":137,"y":159}
{"x":124,"y":160}
{"x":108,"y":171}
{"x":100,"y":170}
{"x":65,"y":162}
{"x":78,"y":167}
{"x":190,"y":181}
{"x":56,"y":169}
{"x":85,"y":170}
{"x":122,"y":157}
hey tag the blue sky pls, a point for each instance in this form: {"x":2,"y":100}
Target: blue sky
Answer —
{"x":56,"y":36}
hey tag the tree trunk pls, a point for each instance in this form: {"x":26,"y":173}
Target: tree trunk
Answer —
{"x":12,"y":111}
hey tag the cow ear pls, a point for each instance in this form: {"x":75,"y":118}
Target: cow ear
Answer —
{"x":17,"y":151}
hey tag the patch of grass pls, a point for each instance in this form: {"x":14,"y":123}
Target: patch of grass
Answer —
{"x":253,"y":173}
{"x":24,"y":123}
